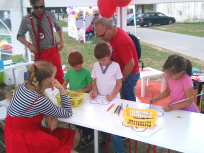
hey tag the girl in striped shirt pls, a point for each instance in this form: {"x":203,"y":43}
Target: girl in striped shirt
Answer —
{"x":23,"y":130}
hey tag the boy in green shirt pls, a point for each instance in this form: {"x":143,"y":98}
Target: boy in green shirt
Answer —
{"x":79,"y":80}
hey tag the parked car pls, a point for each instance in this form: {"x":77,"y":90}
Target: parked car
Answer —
{"x":130,"y":18}
{"x":151,"y":18}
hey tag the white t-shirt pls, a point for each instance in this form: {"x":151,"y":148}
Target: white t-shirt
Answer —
{"x":106,"y":82}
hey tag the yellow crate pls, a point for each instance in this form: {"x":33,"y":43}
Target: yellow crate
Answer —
{"x":144,"y":118}
{"x":75,"y":98}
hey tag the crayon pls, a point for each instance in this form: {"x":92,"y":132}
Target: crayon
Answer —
{"x":114,"y":110}
{"x":110,"y":107}
{"x":118,"y":109}
{"x":122,"y":106}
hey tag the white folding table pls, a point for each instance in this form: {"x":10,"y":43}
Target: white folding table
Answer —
{"x":148,"y":73}
{"x":184,"y":134}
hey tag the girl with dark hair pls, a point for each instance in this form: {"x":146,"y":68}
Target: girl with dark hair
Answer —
{"x":179,"y":85}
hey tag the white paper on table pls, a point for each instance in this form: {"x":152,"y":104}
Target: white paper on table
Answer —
{"x":54,"y":92}
{"x":101,"y":100}
{"x":143,"y":132}
{"x":160,"y":111}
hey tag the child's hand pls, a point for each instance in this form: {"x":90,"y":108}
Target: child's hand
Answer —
{"x":154,"y":100}
{"x":167,"y":108}
{"x":56,"y":84}
{"x":93,"y":95}
{"x":52,"y":123}
{"x":109,"y":97}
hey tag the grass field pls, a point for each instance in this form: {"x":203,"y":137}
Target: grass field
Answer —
{"x":152,"y":56}
{"x":182,"y":28}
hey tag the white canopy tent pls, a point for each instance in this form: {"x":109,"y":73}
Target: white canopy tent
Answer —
{"x":17,"y":7}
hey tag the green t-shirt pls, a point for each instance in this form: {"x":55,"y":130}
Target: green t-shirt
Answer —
{"x":78,"y":79}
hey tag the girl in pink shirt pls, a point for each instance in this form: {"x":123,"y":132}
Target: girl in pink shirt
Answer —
{"x":179,"y":85}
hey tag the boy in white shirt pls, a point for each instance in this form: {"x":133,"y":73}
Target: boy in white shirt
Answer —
{"x":106,"y":74}
{"x":107,"y":81}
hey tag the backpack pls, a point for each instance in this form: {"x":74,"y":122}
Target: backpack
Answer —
{"x":137,"y":46}
{"x":201,"y":105}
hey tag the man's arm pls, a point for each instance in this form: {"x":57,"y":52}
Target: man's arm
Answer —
{"x":61,"y":41}
{"x":128,"y":68}
{"x":31,"y":47}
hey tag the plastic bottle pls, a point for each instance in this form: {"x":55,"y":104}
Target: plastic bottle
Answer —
{"x":10,"y":82}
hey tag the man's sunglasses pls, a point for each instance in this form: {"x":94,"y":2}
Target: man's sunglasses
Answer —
{"x":103,"y":34}
{"x":37,"y":7}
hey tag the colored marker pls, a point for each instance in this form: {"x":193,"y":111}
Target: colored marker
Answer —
{"x":120,"y":111}
{"x":110,"y":107}
{"x":127,"y":106}
{"x":151,"y":101}
{"x":122,"y":106}
{"x":114,"y":110}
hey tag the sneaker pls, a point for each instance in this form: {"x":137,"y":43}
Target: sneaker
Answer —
{"x":86,"y":141}
{"x":103,"y":140}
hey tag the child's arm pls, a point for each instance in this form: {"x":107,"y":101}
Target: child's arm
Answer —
{"x":188,"y":93}
{"x":65,"y":84}
{"x":163,"y":95}
{"x":52,"y":123}
{"x":95,"y":90}
{"x":87,"y":89}
{"x":115,"y":92}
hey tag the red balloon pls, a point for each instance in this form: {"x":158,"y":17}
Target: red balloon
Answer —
{"x":106,"y":8}
{"x":121,"y":3}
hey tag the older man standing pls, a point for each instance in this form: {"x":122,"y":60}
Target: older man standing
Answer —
{"x":125,"y":54}
{"x":40,"y":26}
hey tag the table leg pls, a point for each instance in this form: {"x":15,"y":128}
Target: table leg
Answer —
{"x":148,"y":82}
{"x":143,"y":87}
{"x":162,"y":83}
{"x":199,"y":90}
{"x":14,"y":78}
{"x":95,"y":141}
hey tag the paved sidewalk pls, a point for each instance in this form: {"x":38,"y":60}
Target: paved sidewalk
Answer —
{"x":185,"y":44}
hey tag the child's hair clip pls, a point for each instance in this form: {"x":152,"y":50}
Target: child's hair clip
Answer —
{"x":185,"y":59}
{"x":175,"y":57}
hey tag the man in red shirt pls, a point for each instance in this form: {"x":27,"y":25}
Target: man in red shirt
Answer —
{"x":124,"y":53}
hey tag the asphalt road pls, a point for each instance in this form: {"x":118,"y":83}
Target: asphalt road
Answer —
{"x":185,"y":44}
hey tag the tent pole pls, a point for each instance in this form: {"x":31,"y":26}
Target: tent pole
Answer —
{"x":134,"y":19}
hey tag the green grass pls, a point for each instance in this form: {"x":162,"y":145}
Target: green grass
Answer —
{"x":182,"y":28}
{"x":152,"y":56}
{"x":62,"y":23}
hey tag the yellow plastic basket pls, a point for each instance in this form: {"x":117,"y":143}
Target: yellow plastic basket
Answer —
{"x":144,"y":118}
{"x":76,"y":98}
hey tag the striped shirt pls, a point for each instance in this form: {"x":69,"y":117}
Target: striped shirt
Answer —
{"x":24,"y":97}
{"x":47,"y":41}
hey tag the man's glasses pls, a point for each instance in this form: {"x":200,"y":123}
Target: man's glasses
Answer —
{"x":37,"y":7}
{"x":103,"y":34}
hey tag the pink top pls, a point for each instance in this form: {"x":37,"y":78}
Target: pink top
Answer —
{"x":89,"y":28}
{"x":177,"y":90}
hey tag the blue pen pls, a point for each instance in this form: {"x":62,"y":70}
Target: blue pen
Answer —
{"x":127,"y":106}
